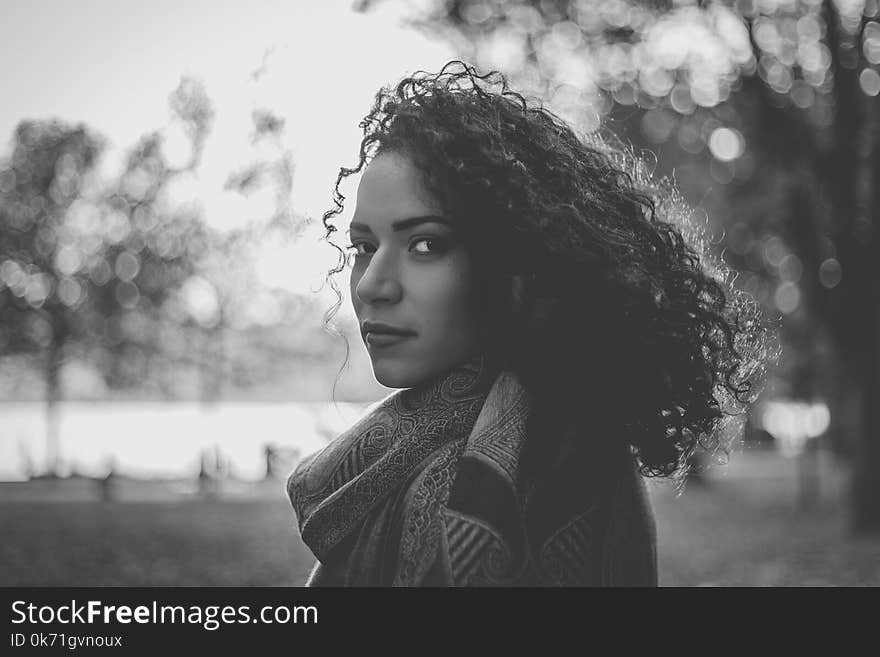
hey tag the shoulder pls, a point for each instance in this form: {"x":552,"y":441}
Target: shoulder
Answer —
{"x":598,"y":530}
{"x":630,"y":542}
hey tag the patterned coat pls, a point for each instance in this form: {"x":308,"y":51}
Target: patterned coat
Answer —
{"x":422,"y":492}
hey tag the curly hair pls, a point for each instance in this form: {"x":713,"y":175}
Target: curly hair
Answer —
{"x":613,"y":320}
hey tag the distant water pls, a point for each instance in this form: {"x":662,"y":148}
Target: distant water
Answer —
{"x":155,"y":439}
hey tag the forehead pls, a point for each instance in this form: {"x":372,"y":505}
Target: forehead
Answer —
{"x":392,"y":188}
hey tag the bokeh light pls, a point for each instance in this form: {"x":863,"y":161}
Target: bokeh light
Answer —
{"x":869,"y":81}
{"x":871,"y":43}
{"x":830,"y":273}
{"x":100,"y":271}
{"x":127,"y":294}
{"x":69,"y":292}
{"x":787,"y":297}
{"x":791,"y":268}
{"x":726,"y":144}
{"x":127,"y":266}
{"x":201,"y":300}
{"x":802,"y":94}
{"x":774,"y":251}
{"x":794,"y":423}
{"x":39,"y":287}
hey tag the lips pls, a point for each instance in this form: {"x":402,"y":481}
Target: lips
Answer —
{"x":378,"y":334}
{"x":385,"y":339}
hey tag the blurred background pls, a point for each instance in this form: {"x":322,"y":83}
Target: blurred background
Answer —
{"x":163,"y":356}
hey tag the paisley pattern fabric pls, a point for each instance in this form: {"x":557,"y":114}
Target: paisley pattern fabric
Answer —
{"x":422,"y":491}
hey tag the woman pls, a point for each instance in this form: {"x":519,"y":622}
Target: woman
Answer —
{"x":554,"y":336}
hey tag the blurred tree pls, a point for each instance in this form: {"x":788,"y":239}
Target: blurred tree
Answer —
{"x":38,"y":295}
{"x":125,"y":279}
{"x":220,"y":327}
{"x":84,"y":272}
{"x":145,"y":325}
{"x":271,"y":169}
{"x":226,"y":296}
{"x":774,"y":101}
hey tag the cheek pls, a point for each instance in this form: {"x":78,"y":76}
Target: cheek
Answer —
{"x":352,"y":291}
{"x":449,"y":298}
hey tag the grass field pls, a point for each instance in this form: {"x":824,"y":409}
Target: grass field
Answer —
{"x":724,"y":536}
{"x":191,"y":543}
{"x":743,"y":528}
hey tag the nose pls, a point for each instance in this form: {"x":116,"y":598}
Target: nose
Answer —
{"x":379,"y":282}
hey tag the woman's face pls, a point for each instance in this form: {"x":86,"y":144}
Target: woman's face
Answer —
{"x":412,"y":284}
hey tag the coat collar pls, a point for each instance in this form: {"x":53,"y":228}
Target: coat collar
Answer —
{"x":333,"y":490}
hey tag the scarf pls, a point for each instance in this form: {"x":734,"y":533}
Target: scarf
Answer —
{"x":422,"y":491}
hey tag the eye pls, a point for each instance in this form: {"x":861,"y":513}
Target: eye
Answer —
{"x":361,"y":248}
{"x":428,"y":246}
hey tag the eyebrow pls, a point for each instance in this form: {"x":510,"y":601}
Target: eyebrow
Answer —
{"x":409,"y":222}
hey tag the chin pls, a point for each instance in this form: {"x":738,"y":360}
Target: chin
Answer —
{"x":395,"y":375}
{"x":400,"y":372}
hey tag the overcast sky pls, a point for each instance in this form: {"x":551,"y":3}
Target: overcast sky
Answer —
{"x":112,"y":64}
